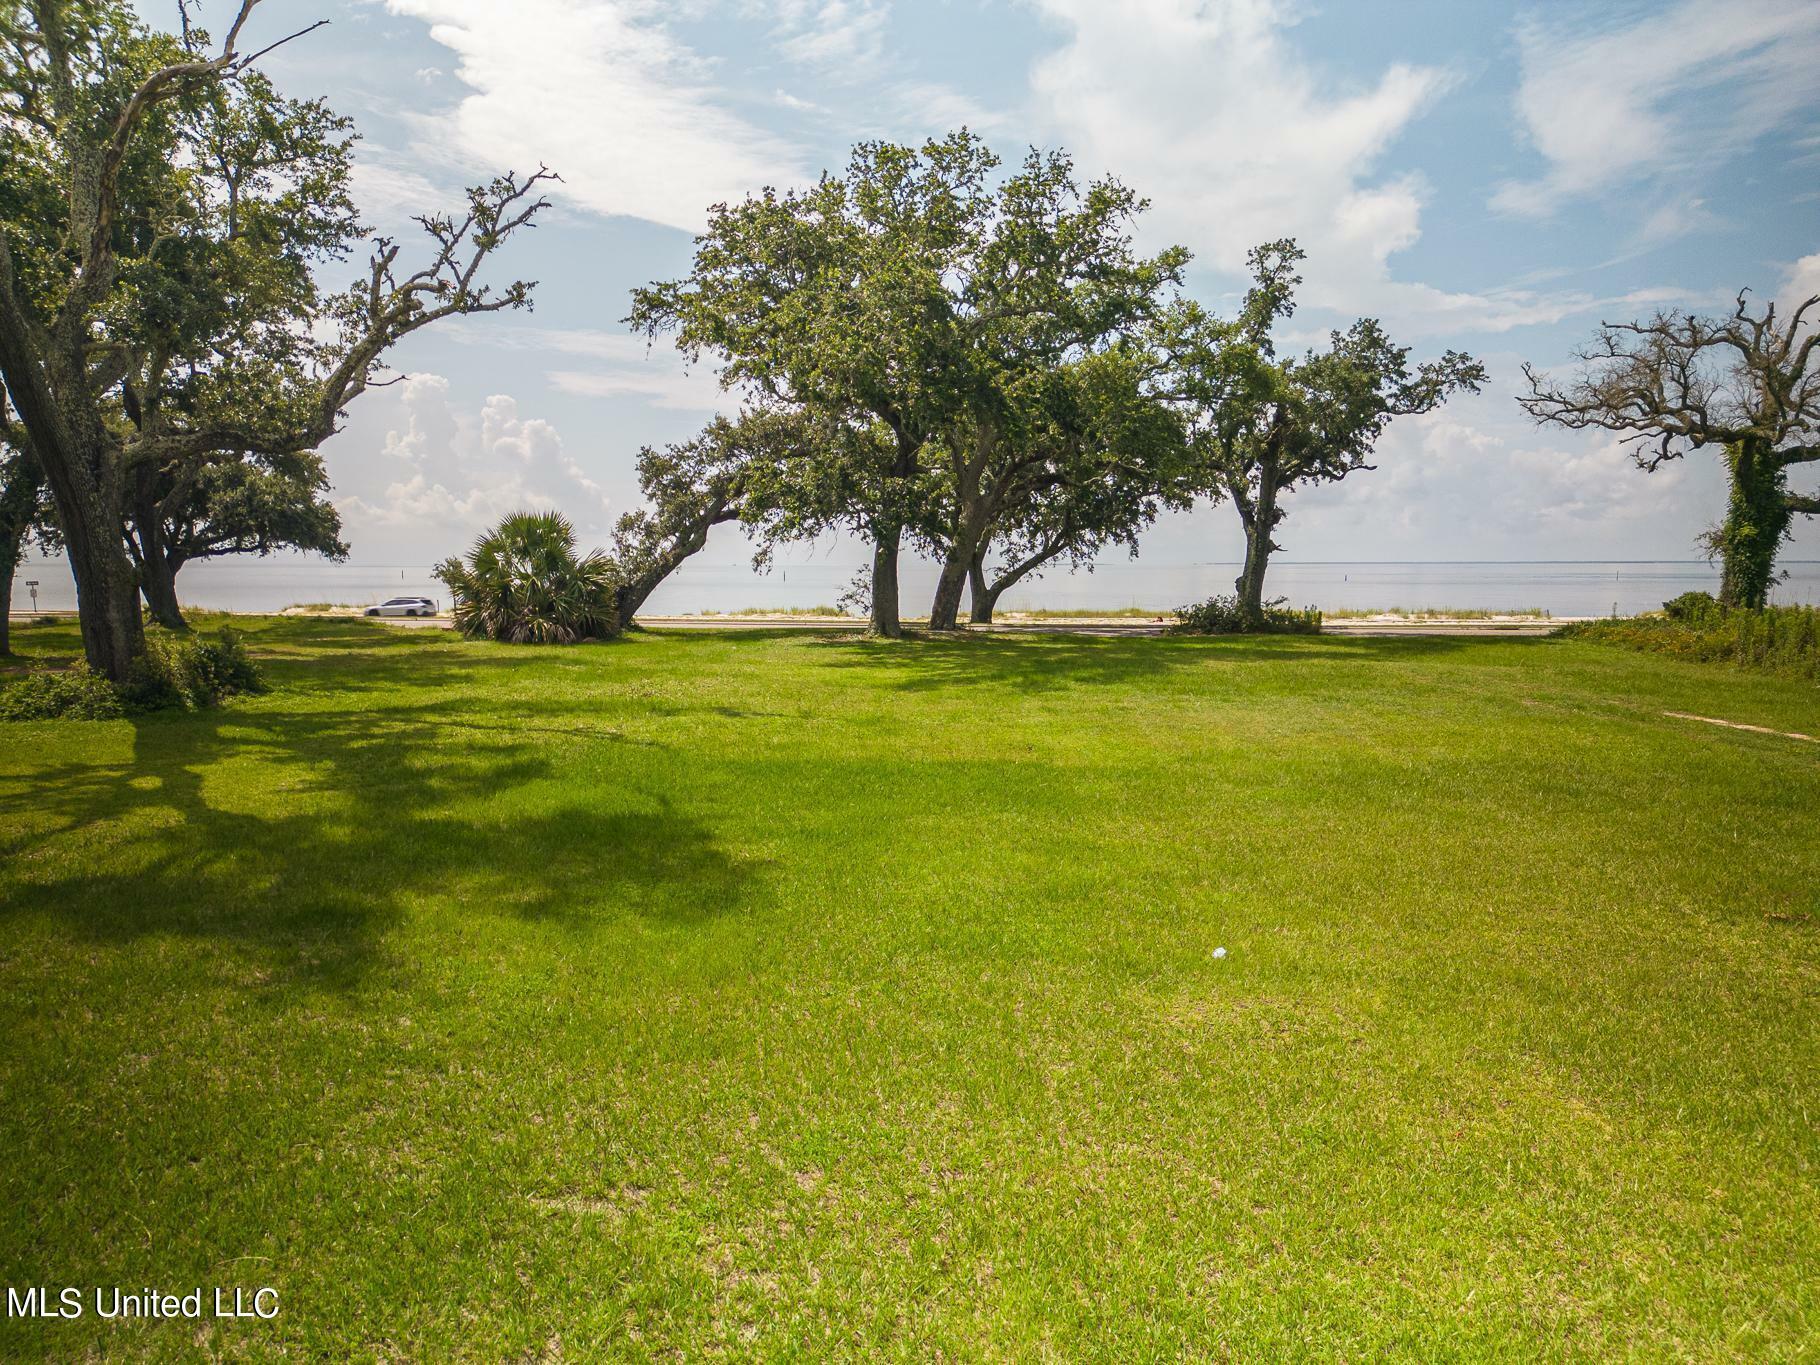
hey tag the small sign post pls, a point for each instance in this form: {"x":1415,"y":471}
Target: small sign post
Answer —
{"x":32,"y":583}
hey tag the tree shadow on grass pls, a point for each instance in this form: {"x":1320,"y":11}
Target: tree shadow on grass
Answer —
{"x":1030,"y":663}
{"x":301,"y":837}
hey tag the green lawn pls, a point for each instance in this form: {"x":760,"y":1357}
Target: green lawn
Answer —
{"x":780,"y":995}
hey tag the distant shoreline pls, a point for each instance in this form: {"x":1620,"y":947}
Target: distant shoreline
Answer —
{"x":1384,"y":623}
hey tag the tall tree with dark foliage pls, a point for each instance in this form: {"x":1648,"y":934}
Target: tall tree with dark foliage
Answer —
{"x":162,"y":210}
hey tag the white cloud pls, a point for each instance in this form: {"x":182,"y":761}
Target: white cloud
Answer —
{"x":618,"y":365}
{"x":641,"y":124}
{"x":389,"y":190}
{"x":838,"y":33}
{"x":425,"y":467}
{"x":603,"y":93}
{"x":1803,"y":281}
{"x":1206,"y":107}
{"x":1613,"y":107}
{"x":1479,"y":478}
{"x":679,"y":392}
{"x":1677,"y":218}
{"x":797,"y":105}
{"x":846,"y":44}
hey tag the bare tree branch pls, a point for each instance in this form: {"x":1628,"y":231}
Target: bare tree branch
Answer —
{"x":1678,"y":382}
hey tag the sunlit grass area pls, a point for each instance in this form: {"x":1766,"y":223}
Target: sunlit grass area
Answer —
{"x":794,"y":995}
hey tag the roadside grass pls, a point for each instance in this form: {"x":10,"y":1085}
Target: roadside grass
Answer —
{"x":790,"y":995}
{"x":1081,"y":613}
{"x":1784,"y":640}
{"x":823,"y":610}
{"x":1439,"y":613}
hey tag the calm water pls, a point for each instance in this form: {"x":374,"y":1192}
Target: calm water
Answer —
{"x":1565,"y":589}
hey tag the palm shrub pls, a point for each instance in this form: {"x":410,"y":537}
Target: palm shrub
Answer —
{"x":523,"y":583}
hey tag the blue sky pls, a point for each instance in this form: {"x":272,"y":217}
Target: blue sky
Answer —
{"x":1478,"y":175}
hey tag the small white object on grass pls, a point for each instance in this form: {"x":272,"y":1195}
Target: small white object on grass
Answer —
{"x":1219,"y":953}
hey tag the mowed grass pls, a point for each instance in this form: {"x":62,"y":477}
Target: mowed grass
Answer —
{"x":779,"y":995}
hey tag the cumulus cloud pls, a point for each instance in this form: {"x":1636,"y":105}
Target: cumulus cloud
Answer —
{"x":1622,"y":105}
{"x":1477,"y":479}
{"x":605,"y":93}
{"x":1802,"y":282}
{"x":420,"y":464}
{"x":1207,"y":107}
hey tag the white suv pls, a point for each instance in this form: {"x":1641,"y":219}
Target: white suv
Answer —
{"x":404,"y":606}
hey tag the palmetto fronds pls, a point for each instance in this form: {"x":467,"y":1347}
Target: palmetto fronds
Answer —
{"x":523,"y":583}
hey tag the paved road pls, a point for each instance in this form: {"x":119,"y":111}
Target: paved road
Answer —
{"x":1102,"y":626}
{"x":1111,"y":626}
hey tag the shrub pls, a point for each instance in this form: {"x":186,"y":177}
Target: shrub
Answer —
{"x":1691,"y":606}
{"x":1697,"y":628}
{"x":523,"y":583}
{"x":182,"y":670}
{"x":1223,"y":615}
{"x":73,"y":693}
{"x":178,"y":671}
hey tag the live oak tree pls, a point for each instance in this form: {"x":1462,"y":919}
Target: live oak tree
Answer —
{"x":256,"y":505}
{"x":1105,"y":454}
{"x":838,"y":301}
{"x":690,"y":492}
{"x":1745,"y":385}
{"x":730,"y":472}
{"x":910,"y":306}
{"x":1048,"y":284}
{"x":1262,"y":425}
{"x":163,"y":213}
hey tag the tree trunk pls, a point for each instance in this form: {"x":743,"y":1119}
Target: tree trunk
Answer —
{"x":107,"y":586}
{"x":1259,"y":521}
{"x":630,"y":597}
{"x":158,"y":582}
{"x":629,"y":600}
{"x":887,"y":525}
{"x":157,"y":571}
{"x":885,"y":619}
{"x":973,"y":510}
{"x":1756,"y":521}
{"x":107,"y":591}
{"x":9,"y":565}
{"x":981,"y":597}
{"x":79,"y":466}
{"x":945,"y":610}
{"x":1250,"y":582}
{"x":986,"y":595}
